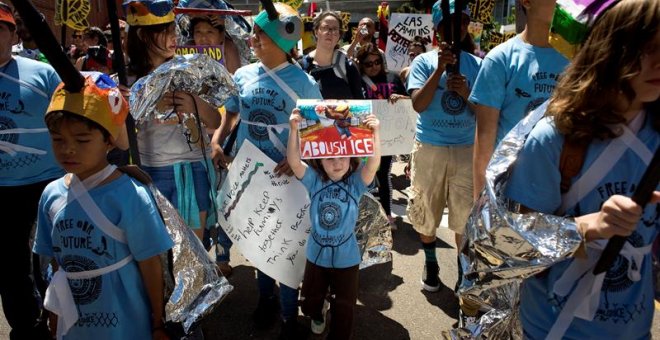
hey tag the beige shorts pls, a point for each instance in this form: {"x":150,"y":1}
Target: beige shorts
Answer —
{"x":441,"y":177}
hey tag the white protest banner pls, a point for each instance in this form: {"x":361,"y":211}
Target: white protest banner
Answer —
{"x":267,"y":217}
{"x":403,"y":28}
{"x":398,"y":123}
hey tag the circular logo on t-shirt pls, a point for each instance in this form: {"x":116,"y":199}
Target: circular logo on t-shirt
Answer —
{"x":6,"y":124}
{"x":260,"y":133}
{"x":452,"y":103}
{"x":330,"y":215}
{"x":85,"y":291}
{"x":616,"y":279}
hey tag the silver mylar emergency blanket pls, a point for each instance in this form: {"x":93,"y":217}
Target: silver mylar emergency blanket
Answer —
{"x":196,"y":288}
{"x":373,"y":232}
{"x":196,"y":74}
{"x":504,"y":247}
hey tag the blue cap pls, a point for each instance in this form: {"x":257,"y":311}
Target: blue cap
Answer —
{"x":436,"y":12}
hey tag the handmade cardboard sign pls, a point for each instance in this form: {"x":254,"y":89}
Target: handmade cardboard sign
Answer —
{"x":397,"y":126}
{"x":403,"y":29}
{"x":267,"y":217}
{"x":335,"y":128}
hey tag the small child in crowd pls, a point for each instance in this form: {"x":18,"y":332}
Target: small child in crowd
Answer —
{"x":101,"y":226}
{"x":335,"y":186}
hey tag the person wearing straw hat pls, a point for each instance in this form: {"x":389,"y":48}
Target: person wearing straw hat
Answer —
{"x":268,"y":91}
{"x":26,"y":166}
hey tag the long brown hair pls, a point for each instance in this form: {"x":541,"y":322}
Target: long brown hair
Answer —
{"x":316,"y":165}
{"x":138,"y":45}
{"x":589,"y":94}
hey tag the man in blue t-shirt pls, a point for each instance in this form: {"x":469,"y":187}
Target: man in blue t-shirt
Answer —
{"x":26,"y":166}
{"x":441,"y":165}
{"x":515,"y":78}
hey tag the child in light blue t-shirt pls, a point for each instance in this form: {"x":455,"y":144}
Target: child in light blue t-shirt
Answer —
{"x":102,"y":227}
{"x":335,"y":186}
{"x":592,"y":106}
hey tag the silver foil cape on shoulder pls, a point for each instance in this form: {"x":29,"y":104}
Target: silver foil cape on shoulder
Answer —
{"x":196,"y":74}
{"x":192,"y":283}
{"x":373,"y":232}
{"x":504,"y":247}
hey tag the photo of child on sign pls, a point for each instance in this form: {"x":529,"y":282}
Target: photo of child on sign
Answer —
{"x":335,"y":128}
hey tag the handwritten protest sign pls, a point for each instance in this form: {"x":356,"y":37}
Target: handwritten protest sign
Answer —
{"x":335,"y":128}
{"x":216,"y":52}
{"x":267,"y":217}
{"x":404,"y":27}
{"x":398,"y":123}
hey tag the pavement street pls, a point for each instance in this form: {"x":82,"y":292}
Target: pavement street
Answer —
{"x":391,"y":304}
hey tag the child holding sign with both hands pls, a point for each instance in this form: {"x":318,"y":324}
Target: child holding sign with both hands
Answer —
{"x":335,"y":186}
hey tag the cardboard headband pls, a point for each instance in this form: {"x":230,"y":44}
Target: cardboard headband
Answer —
{"x":99,"y":100}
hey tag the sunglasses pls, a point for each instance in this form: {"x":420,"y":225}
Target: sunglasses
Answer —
{"x":376,"y":62}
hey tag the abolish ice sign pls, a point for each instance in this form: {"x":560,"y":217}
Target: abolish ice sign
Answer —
{"x":335,"y":128}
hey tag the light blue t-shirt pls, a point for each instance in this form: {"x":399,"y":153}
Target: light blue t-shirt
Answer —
{"x":114,"y":305}
{"x":515,"y":78}
{"x":626,"y":307}
{"x":264,"y":102}
{"x":25,"y":92}
{"x":334,"y":212}
{"x":447,"y":120}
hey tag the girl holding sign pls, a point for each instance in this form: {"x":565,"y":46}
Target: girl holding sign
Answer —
{"x":335,"y":186}
{"x":268,"y":91}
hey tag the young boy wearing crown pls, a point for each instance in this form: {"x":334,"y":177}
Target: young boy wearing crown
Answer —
{"x":101,"y":226}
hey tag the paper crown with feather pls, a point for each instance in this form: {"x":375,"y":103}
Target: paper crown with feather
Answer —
{"x":572,"y":21}
{"x":148,"y":12}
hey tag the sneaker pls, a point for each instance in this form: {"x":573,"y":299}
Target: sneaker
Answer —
{"x":431,"y":279}
{"x":318,"y":326}
{"x":266,"y":313}
{"x":291,"y":330}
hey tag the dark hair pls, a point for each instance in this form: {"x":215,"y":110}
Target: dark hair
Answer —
{"x":588,"y":95}
{"x":419,"y":42}
{"x":55,"y":119}
{"x":316,"y":165}
{"x":467,"y":44}
{"x":196,"y":20}
{"x":364,"y":52}
{"x":95,"y":32}
{"x":138,"y":49}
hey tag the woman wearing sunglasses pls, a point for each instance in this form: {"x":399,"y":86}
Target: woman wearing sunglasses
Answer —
{"x":379,"y":84}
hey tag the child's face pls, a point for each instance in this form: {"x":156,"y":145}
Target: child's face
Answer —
{"x":647,"y":83}
{"x":205,"y":34}
{"x":336,"y":168}
{"x":261,"y":43}
{"x":165,"y":46}
{"x":80,"y":149}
